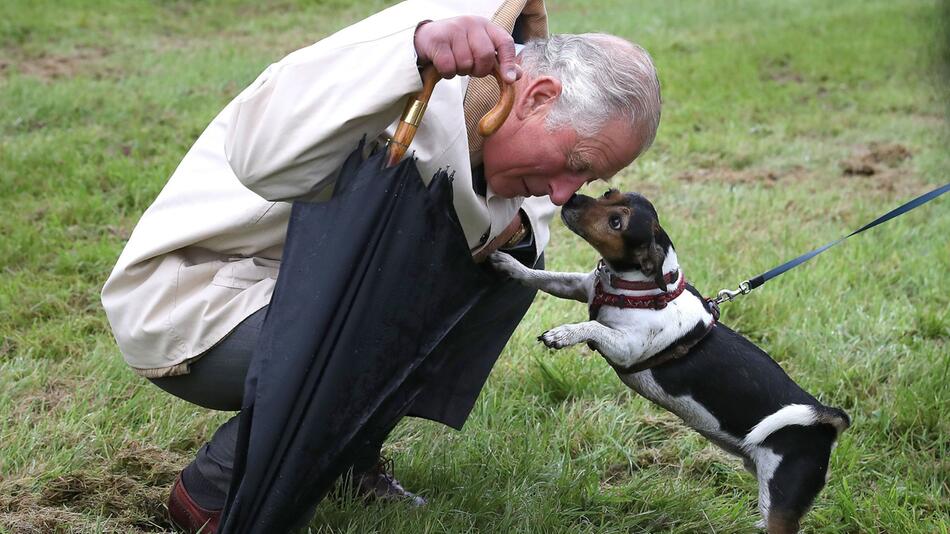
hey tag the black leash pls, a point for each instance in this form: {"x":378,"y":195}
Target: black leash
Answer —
{"x":745,"y":287}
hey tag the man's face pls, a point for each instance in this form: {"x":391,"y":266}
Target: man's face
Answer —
{"x":525,"y":159}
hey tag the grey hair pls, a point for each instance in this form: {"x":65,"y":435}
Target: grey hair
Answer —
{"x":602,"y":77}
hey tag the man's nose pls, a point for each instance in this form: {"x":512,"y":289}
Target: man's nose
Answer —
{"x":563,"y":187}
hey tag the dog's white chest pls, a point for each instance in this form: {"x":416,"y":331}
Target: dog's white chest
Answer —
{"x":650,"y":331}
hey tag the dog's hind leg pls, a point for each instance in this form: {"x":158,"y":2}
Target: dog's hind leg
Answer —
{"x":793,"y":488}
{"x":790,"y":487}
{"x":764,"y":463}
{"x":781,"y":522}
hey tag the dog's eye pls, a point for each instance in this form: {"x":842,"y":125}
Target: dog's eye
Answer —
{"x":608,"y":192}
{"x":615,"y":222}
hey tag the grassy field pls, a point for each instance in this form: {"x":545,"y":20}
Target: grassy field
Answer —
{"x":785,"y":125}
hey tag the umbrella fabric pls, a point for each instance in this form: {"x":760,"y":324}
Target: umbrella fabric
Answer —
{"x":370,"y":282}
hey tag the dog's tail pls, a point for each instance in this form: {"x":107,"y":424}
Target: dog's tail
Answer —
{"x":796,"y":414}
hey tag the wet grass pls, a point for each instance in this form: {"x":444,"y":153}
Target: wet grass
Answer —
{"x":786,"y":125}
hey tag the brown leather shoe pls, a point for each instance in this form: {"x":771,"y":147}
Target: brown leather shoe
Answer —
{"x":187,"y":515}
{"x":378,"y":483}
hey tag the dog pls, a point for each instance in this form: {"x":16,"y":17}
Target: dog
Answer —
{"x":665,"y":342}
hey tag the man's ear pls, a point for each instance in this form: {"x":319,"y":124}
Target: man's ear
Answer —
{"x":539,"y":95}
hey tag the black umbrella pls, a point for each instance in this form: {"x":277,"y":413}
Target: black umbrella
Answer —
{"x":370,"y":282}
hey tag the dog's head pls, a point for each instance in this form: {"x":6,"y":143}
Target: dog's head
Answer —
{"x":624,"y":228}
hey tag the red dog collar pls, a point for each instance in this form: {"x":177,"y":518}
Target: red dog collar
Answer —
{"x":647,"y":302}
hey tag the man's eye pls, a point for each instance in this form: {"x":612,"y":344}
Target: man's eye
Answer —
{"x":615,"y":221}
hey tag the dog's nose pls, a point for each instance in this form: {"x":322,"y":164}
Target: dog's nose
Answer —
{"x":571,"y":201}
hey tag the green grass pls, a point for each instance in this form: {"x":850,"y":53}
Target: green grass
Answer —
{"x":765,"y":104}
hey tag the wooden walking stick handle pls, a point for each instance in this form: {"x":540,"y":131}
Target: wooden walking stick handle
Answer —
{"x":416,"y":106}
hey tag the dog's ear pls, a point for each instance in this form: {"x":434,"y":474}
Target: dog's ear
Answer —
{"x":651,"y":260}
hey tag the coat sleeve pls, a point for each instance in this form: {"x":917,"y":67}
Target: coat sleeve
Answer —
{"x":539,"y":210}
{"x":293,"y":127}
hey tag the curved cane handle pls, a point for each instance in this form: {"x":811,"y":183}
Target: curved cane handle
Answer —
{"x":416,"y":107}
{"x":491,"y":121}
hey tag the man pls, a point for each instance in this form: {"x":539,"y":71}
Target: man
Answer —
{"x":187,"y":296}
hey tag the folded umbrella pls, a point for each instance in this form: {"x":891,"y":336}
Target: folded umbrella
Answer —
{"x":370,"y":282}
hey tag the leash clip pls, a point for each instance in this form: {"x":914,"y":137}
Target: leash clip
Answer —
{"x":727,"y":295}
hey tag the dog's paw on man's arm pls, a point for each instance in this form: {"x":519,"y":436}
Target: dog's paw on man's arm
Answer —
{"x":505,"y":264}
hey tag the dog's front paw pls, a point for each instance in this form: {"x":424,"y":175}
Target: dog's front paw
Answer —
{"x":558,"y":338}
{"x":506,"y":264}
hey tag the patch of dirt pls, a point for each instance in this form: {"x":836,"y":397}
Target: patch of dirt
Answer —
{"x":48,"y":67}
{"x":276,"y":44}
{"x":779,"y":70}
{"x":657,"y":457}
{"x":882,"y":169}
{"x":120,"y":232}
{"x":7,"y":347}
{"x":875,"y":158}
{"x":764,"y":177}
{"x":87,"y":491}
{"x":712,"y":463}
{"x":130,"y":493}
{"x":22,"y":516}
{"x":880,"y":166}
{"x":664,"y":457}
{"x":785,"y":76}
{"x":53,"y":394}
{"x":148,"y":464}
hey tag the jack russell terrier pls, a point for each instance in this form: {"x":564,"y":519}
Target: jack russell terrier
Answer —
{"x":663,"y":339}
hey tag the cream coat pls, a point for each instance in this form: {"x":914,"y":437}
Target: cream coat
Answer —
{"x":206,"y":253}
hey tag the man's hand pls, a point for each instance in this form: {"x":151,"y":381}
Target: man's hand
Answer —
{"x":467,"y":46}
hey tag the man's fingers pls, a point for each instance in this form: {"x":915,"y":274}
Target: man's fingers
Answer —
{"x":483,"y":51}
{"x":444,"y":61}
{"x":463,"y":54}
{"x":505,"y":48}
{"x":468,"y":46}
